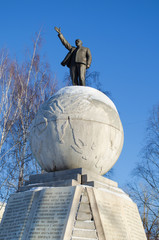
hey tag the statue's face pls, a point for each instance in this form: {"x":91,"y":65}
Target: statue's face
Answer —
{"x":78,"y":43}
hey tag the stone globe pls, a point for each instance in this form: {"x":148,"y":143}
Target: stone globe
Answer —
{"x":78,"y":127}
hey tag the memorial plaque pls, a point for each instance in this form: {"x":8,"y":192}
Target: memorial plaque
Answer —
{"x":40,"y":214}
{"x":51,"y":214}
{"x":16,"y":216}
{"x":134,"y":224}
{"x":119,"y":216}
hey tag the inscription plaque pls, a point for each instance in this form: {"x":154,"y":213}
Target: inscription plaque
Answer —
{"x":39,"y":214}
{"x":51,"y":214}
{"x":16,"y":215}
{"x":119,"y":216}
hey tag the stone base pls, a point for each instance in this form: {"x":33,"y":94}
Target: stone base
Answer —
{"x":71,"y":205}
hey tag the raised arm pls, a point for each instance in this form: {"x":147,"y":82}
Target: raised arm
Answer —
{"x":63,"y":40}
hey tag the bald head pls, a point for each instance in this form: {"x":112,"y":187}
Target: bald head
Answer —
{"x":78,"y":43}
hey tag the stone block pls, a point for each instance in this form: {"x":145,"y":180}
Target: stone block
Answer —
{"x":82,"y":216}
{"x":52,"y":177}
{"x":89,"y":176}
{"x":83,"y":176}
{"x":62,"y":183}
{"x":78,"y":238}
{"x":85,"y":199}
{"x":104,"y":186}
{"x":84,"y":233}
{"x":84,"y":207}
{"x":57,"y":174}
{"x":85,"y":225}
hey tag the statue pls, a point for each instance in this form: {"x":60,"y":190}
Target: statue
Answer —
{"x":78,"y":59}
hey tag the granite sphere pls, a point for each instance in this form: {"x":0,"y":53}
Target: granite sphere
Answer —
{"x":78,"y":127}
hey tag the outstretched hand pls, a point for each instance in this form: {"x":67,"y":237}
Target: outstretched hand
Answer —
{"x":57,"y":29}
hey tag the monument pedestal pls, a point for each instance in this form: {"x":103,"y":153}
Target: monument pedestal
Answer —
{"x":71,"y":205}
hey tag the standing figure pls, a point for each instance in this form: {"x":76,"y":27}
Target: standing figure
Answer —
{"x":78,"y":59}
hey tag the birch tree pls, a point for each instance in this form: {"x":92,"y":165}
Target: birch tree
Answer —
{"x":31,"y":83}
{"x":145,"y":189}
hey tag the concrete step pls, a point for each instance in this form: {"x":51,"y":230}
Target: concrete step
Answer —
{"x":84,"y":207}
{"x":62,"y":183}
{"x":84,"y":199}
{"x":52,"y":177}
{"x":56,"y":174}
{"x":82,"y":216}
{"x":85,"y":225}
{"x":84,"y":233}
{"x":81,"y":238}
{"x":90,"y":176}
{"x":102,"y":185}
{"x":86,"y":176}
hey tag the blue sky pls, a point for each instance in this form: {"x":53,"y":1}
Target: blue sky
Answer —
{"x":123,"y":37}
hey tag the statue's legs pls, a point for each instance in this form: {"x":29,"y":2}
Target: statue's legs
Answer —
{"x":81,"y":74}
{"x":78,"y":72}
{"x":74,"y":74}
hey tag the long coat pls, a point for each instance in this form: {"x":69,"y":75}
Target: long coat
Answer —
{"x":75,"y":55}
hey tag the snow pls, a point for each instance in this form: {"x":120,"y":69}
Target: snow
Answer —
{"x":120,"y":193}
{"x":113,"y":190}
{"x":86,"y":91}
{"x":37,"y":188}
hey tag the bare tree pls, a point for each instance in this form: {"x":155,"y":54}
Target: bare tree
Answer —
{"x":145,"y":189}
{"x":8,"y":112}
{"x":31,"y":84}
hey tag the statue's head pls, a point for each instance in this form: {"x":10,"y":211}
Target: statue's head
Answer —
{"x":78,"y":43}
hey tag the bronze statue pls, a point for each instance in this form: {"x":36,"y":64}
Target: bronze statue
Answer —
{"x":78,"y":59}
